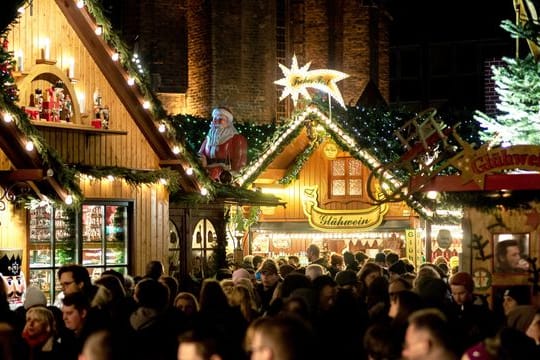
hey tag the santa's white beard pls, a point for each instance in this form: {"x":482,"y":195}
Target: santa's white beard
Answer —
{"x":218,"y":135}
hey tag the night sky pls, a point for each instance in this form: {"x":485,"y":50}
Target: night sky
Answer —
{"x":438,"y":21}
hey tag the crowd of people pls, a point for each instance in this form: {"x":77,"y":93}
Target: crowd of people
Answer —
{"x":345,"y":307}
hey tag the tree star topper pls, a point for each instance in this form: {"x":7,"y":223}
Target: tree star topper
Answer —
{"x":297,"y":80}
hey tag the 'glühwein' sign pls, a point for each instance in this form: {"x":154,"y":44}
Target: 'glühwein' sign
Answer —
{"x":340,"y":220}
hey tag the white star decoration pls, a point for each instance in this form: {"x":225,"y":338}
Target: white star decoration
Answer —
{"x":297,"y":80}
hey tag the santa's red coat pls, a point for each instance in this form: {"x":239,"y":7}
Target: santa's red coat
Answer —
{"x":230,"y":156}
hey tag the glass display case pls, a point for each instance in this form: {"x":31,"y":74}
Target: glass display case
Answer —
{"x":96,"y":237}
{"x":51,"y":231}
{"x":104,"y":237}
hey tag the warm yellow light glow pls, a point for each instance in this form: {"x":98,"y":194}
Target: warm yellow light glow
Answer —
{"x":80,"y":4}
{"x":110,"y":177}
{"x":146,"y":105}
{"x":162,"y":128}
{"x":163,"y":181}
{"x":189,"y":171}
{"x":204,"y":191}
{"x":115,"y":56}
{"x":176,"y":150}
{"x":131,"y":81}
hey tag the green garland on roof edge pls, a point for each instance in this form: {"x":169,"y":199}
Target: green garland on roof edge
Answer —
{"x":131,"y":176}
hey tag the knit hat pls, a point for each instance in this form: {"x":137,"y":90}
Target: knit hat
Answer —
{"x":521,"y":294}
{"x":269,"y":265}
{"x":240,"y":274}
{"x":464,"y":279}
{"x":346,"y":277}
{"x":34,"y":297}
{"x":478,"y":352}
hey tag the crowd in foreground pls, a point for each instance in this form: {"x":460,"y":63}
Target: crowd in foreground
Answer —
{"x":350,"y":308}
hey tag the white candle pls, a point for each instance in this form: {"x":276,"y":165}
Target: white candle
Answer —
{"x":71,"y":70}
{"x":20,"y":64}
{"x":80,"y":99}
{"x":46,"y":49}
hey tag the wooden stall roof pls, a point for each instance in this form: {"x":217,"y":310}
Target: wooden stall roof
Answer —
{"x":101,"y":52}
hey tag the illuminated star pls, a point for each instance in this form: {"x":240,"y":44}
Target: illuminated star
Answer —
{"x":297,"y":80}
{"x":293,"y":82}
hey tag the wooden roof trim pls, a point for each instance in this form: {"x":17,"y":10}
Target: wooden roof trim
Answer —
{"x":84,"y":26}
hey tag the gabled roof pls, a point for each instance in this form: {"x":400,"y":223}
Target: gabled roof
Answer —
{"x":291,"y":141}
{"x":166,"y":145}
{"x":133,"y":97}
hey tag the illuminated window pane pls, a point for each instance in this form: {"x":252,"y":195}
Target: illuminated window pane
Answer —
{"x":355,"y":167}
{"x":338,"y":168}
{"x":355,"y":187}
{"x":338,"y":187}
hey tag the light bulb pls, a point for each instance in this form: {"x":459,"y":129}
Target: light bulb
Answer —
{"x":162,"y":128}
{"x":99,"y":30}
{"x":204,"y":192}
{"x":80,"y":4}
{"x":8,"y":117}
{"x":176,"y":150}
{"x":189,"y":171}
{"x":29,"y":146}
{"x":69,"y":200}
{"x":131,"y":81}
{"x":115,"y":56}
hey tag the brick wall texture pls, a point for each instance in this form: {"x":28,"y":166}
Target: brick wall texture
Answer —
{"x":223,"y":52}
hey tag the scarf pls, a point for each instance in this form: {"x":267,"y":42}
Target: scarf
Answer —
{"x":35,"y":341}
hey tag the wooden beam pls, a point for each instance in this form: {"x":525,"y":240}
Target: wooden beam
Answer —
{"x":495,"y":182}
{"x":22,"y":175}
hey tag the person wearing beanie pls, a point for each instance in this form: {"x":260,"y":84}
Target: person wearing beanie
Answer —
{"x":240,"y":273}
{"x":34,"y":297}
{"x":224,"y":151}
{"x":475,"y":322}
{"x":514,"y":296}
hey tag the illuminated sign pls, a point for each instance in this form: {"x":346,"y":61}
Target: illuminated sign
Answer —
{"x":340,"y":220}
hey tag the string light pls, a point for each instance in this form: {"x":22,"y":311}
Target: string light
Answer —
{"x":80,"y":4}
{"x":130,"y":81}
{"x":110,"y":177}
{"x":115,"y":56}
{"x":176,"y":150}
{"x":204,"y":191}
{"x":162,"y":128}
{"x":29,"y":146}
{"x":146,"y":105}
{"x":68,"y":200}
{"x":163,"y":181}
{"x":99,"y":30}
{"x":8,"y":117}
{"x":189,"y":171}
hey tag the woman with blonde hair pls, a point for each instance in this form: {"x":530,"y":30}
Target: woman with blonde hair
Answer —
{"x":240,"y":296}
{"x":39,"y":334}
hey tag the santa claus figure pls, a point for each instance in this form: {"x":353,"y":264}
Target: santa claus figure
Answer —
{"x":224,"y":151}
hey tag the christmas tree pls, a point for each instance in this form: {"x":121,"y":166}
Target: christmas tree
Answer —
{"x":518,"y":86}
